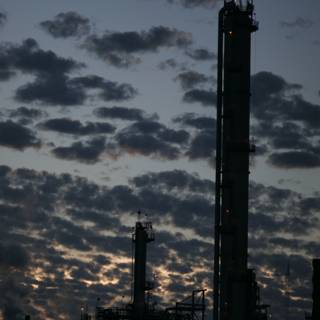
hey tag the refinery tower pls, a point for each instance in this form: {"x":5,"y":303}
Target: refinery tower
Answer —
{"x":236,"y":295}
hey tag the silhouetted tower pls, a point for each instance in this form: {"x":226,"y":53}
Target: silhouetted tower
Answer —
{"x":316,"y":289}
{"x":231,"y":274}
{"x":143,"y":234}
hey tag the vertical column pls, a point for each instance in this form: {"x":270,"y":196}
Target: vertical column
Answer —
{"x":143,"y":234}
{"x":237,"y":28}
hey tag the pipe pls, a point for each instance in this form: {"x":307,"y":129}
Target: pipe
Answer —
{"x":216,"y":280}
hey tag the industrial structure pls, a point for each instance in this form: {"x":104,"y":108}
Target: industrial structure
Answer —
{"x":236,"y":295}
{"x":141,"y":308}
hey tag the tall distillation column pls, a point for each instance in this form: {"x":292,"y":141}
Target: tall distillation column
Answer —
{"x":143,"y":234}
{"x":236,"y":24}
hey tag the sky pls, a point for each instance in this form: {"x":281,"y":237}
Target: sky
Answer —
{"x":107,"y":108}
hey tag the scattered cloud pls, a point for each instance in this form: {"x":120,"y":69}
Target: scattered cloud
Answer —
{"x":150,"y":138}
{"x":286,"y":122}
{"x":26,"y":115}
{"x":16,"y":136}
{"x":191,"y":79}
{"x":201,"y":54}
{"x":171,"y":64}
{"x":298,"y":22}
{"x":29,"y":58}
{"x":64,"y":212}
{"x":120,"y":48}
{"x":195,"y":3}
{"x":123,"y":113}
{"x":196,"y":121}
{"x":75,"y":127}
{"x":61,"y":90}
{"x":67,"y":24}
{"x":205,"y":97}
{"x":295,"y":160}
{"x":3,"y":18}
{"x":86,"y":152}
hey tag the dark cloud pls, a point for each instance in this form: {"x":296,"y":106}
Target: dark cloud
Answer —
{"x":295,"y":160}
{"x":174,"y":180}
{"x":196,"y":121}
{"x":75,"y":127}
{"x":61,"y":90}
{"x":195,"y":3}
{"x":64,"y":212}
{"x":51,"y":90}
{"x":13,"y":256}
{"x":299,"y":22}
{"x":108,"y":90}
{"x":149,"y":127}
{"x":119,"y":48}
{"x":202,"y":146}
{"x":24,"y":112}
{"x":67,"y":24}
{"x":286,"y":135}
{"x":285,"y":121}
{"x":3,"y":18}
{"x":190,"y":79}
{"x":170,"y":64}
{"x":123,"y":113}
{"x":86,"y":152}
{"x":13,"y":135}
{"x":29,"y":58}
{"x":204,"y":97}
{"x":274,"y":99}
{"x":201,"y":55}
{"x":147,"y":145}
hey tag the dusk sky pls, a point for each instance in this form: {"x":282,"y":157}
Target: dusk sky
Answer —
{"x":107,"y":108}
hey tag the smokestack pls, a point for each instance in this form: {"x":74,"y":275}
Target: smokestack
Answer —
{"x":316,"y":289}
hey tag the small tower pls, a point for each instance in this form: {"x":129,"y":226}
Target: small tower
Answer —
{"x":143,"y":234}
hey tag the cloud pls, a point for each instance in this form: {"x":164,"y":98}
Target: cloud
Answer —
{"x":13,"y":135}
{"x":190,"y":79}
{"x":295,"y":160}
{"x":108,"y":90}
{"x":195,"y":3}
{"x":25,"y":115}
{"x":299,"y":22}
{"x":201,"y":54}
{"x":202,"y":146}
{"x":61,"y":90}
{"x":75,"y":127}
{"x":67,"y":24}
{"x":146,"y":145}
{"x":3,"y":18}
{"x":196,"y":121}
{"x":204,"y":97}
{"x":29,"y":58}
{"x":170,"y":64}
{"x":294,"y":121}
{"x":23,"y":112}
{"x":178,"y":180}
{"x":67,"y":214}
{"x":119,"y":48}
{"x":51,"y":90}
{"x":150,"y":138}
{"x":123,"y":113}
{"x":88,"y":152}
